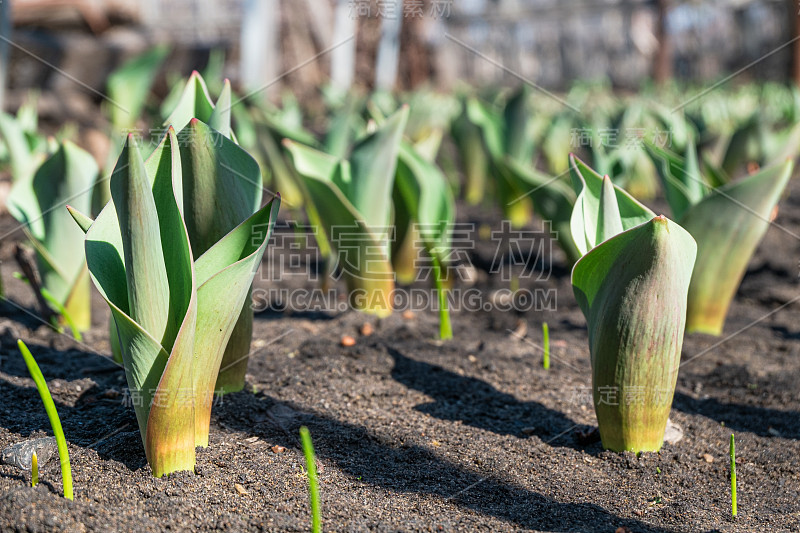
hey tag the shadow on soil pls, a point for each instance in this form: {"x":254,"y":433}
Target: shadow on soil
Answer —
{"x":480,"y":405}
{"x":415,"y":469}
{"x":758,"y":420}
{"x":102,"y":418}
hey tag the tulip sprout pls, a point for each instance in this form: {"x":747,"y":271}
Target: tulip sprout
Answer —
{"x":353,"y":198}
{"x":36,"y":202}
{"x":313,"y":480}
{"x":733,"y":476}
{"x":174,"y":314}
{"x":55,"y":422}
{"x":631,"y":285}
{"x":25,"y":148}
{"x":221,"y":187}
{"x":728,"y":222}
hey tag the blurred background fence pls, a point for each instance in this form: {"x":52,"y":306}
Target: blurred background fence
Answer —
{"x":297,"y":43}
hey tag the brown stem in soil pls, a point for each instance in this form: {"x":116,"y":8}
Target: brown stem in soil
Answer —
{"x":27,"y":263}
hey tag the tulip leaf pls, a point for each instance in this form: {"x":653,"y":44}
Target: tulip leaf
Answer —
{"x":221,"y":185}
{"x":129,"y":86}
{"x":683,"y":184}
{"x":491,"y":126}
{"x":632,"y":289}
{"x":146,"y":273}
{"x":474,"y":158}
{"x":194,"y":102}
{"x":224,"y":275}
{"x":728,"y":224}
{"x":37,"y":202}
{"x":373,"y":161}
{"x":362,"y":249}
{"x":589,"y":223}
{"x":427,"y":199}
{"x":551,"y":197}
{"x":22,"y":158}
{"x":518,"y":135}
{"x":220,"y":118}
{"x":139,"y":256}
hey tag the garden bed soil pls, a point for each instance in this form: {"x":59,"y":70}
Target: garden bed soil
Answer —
{"x":418,"y":435}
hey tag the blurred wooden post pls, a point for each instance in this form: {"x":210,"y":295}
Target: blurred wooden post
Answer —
{"x":662,"y":70}
{"x":794,"y":14}
{"x":260,"y":45}
{"x":343,"y":58}
{"x":5,"y":33}
{"x":389,"y":46}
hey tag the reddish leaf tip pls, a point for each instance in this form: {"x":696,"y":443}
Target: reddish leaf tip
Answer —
{"x":194,"y":121}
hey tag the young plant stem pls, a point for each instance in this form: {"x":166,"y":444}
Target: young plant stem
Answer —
{"x":76,"y":334}
{"x":34,"y":470}
{"x":52,"y":414}
{"x":313,"y":485}
{"x":546,"y":344}
{"x":733,"y":476}
{"x":445,"y":329}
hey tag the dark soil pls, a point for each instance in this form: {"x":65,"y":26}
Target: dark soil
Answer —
{"x":417,"y":435}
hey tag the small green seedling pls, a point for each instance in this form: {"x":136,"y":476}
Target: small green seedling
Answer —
{"x":733,"y":476}
{"x":546,"y":345}
{"x":34,"y":470}
{"x":313,"y":482}
{"x":425,"y":204}
{"x":55,"y":422}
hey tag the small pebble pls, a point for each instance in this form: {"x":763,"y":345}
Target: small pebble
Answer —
{"x":673,"y":433}
{"x":366,"y":329}
{"x":19,"y":454}
{"x":707,"y":457}
{"x":240,"y":489}
{"x":529,"y":431}
{"x":347,"y":340}
{"x":278,"y":449}
{"x":251,"y":439}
